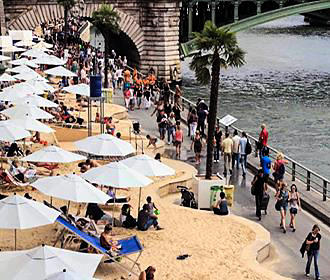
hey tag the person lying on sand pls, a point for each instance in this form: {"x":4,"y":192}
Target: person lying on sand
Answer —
{"x":152,"y":141}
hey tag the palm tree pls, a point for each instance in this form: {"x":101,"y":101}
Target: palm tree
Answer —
{"x":217,"y":48}
{"x":67,"y":5}
{"x":106,"y":20}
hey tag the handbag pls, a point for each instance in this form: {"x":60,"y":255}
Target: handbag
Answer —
{"x":278,"y":205}
{"x":253,"y":190}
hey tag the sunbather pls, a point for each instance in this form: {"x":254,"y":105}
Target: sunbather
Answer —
{"x":107,"y":241}
{"x":14,"y":150}
{"x":95,"y":213}
{"x":148,"y":274}
{"x":126,"y":219}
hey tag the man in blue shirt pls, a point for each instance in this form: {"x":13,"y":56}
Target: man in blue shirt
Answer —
{"x":266,"y":165}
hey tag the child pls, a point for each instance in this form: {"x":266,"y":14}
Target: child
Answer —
{"x":151,"y":206}
{"x":152,"y":141}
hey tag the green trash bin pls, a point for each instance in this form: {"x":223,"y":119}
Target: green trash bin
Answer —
{"x":214,"y":190}
{"x":107,"y":94}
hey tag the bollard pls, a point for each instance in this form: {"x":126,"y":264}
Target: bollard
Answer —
{"x":308,"y":180}
{"x":293,"y":171}
{"x":325,"y":190}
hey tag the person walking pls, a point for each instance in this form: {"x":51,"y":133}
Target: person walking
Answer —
{"x":243,"y":153}
{"x":282,"y":197}
{"x":263,"y":140}
{"x":313,"y":242}
{"x":258,"y":191}
{"x":217,"y":143}
{"x":198,"y":145}
{"x":202,"y":114}
{"x":227,"y":149}
{"x":171,"y":122}
{"x":235,"y":153}
{"x":279,"y":169}
{"x":178,"y":140}
{"x":266,"y":164}
{"x":294,"y":201}
{"x":193,"y":123}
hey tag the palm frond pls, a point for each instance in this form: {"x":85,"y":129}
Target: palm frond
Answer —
{"x":67,"y":4}
{"x":201,"y":64}
{"x":106,"y":19}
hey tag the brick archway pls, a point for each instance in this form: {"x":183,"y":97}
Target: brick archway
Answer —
{"x":30,"y":19}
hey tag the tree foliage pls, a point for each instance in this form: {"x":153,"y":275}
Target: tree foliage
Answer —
{"x":215,"y":39}
{"x":106,"y":19}
{"x":67,"y":4}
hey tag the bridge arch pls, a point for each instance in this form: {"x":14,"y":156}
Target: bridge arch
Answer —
{"x":37,"y":14}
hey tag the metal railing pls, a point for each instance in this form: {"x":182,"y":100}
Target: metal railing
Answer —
{"x":294,"y":169}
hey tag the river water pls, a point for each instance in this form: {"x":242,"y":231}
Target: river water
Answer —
{"x":284,"y":84}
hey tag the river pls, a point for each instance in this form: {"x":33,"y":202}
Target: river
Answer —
{"x":284,"y":84}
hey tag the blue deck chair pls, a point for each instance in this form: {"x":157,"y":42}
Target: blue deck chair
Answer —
{"x":129,"y":246}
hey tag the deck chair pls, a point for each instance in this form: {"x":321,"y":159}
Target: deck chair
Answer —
{"x":129,"y":246}
{"x":9,"y":180}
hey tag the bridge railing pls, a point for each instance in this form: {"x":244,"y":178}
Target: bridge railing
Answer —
{"x":294,"y":169}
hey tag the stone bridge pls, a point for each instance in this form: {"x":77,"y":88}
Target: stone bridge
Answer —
{"x":149,"y":28}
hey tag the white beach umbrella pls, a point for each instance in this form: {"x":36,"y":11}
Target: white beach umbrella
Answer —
{"x":42,"y":45}
{"x":26,"y":76}
{"x":53,"y":154}
{"x":41,"y":84}
{"x":24,"y":61}
{"x":7,"y":78}
{"x":104,"y":145}
{"x":31,"y":124}
{"x":22,"y":111}
{"x":20,"y":69}
{"x":117,"y":175}
{"x":148,"y":166}
{"x":12,"y":49}
{"x":34,"y":53}
{"x":68,"y":275}
{"x":11,"y":133}
{"x":60,"y":71}
{"x":18,"y":212}
{"x":81,"y":89}
{"x":24,"y":44}
{"x":35,"y":100}
{"x":10,"y":96}
{"x":4,"y":58}
{"x":49,"y":60}
{"x":23,"y":87}
{"x":41,"y":262}
{"x":71,"y":187}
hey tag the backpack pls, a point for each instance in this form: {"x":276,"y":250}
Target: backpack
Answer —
{"x":248,"y":147}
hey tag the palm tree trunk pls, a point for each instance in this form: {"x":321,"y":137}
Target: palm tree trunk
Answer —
{"x":212,"y":112}
{"x":106,"y":61}
{"x":65,"y":26}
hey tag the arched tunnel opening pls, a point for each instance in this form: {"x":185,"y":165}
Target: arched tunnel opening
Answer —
{"x":121,"y":43}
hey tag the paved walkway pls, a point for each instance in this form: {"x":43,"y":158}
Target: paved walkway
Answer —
{"x":287,"y":245}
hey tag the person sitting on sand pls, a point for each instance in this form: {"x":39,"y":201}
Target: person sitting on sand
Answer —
{"x":148,"y":274}
{"x":91,"y":163}
{"x":152,"y":141}
{"x":118,"y":135}
{"x":107,"y":241}
{"x":36,"y":137}
{"x":95,"y":213}
{"x":109,"y":126}
{"x":151,"y":206}
{"x":221,"y":207}
{"x":114,"y":199}
{"x":14,"y":150}
{"x":158,"y":157}
{"x":126,"y":219}
{"x":145,"y":220}
{"x":21,"y":173}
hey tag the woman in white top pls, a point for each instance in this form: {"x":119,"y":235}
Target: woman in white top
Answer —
{"x":294,"y":200}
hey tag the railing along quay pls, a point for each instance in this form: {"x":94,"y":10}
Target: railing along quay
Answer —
{"x":296,"y":170}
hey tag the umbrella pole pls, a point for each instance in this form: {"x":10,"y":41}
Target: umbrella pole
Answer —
{"x":15,"y":239}
{"x":113,"y":209}
{"x":139,"y":200}
{"x":68,"y":207}
{"x":51,"y":201}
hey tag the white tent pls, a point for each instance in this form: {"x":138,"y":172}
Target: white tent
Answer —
{"x":71,"y":187}
{"x":24,"y":87}
{"x":53,"y":154}
{"x":35,"y":100}
{"x":18,"y":212}
{"x":42,"y":45}
{"x":22,"y":111}
{"x":43,"y":261}
{"x":81,"y":89}
{"x":60,"y":71}
{"x":34,"y":53}
{"x":24,"y":61}
{"x":105,"y":145}
{"x":49,"y":60}
{"x":6,"y":78}
{"x":26,"y":76}
{"x":31,"y":124}
{"x":41,"y":84}
{"x":148,"y":166}
{"x":11,"y":133}
{"x":20,"y":69}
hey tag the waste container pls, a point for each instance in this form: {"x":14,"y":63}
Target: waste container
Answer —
{"x":95,"y":86}
{"x":229,"y":191}
{"x":215,"y":194}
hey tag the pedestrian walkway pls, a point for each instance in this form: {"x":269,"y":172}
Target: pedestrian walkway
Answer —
{"x":287,"y":245}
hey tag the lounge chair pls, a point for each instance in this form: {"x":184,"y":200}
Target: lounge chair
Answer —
{"x":9,"y":180}
{"x":129,"y":246}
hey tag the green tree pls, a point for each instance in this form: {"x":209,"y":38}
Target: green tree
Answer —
{"x":67,"y":5}
{"x":217,"y":48}
{"x":106,"y":20}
